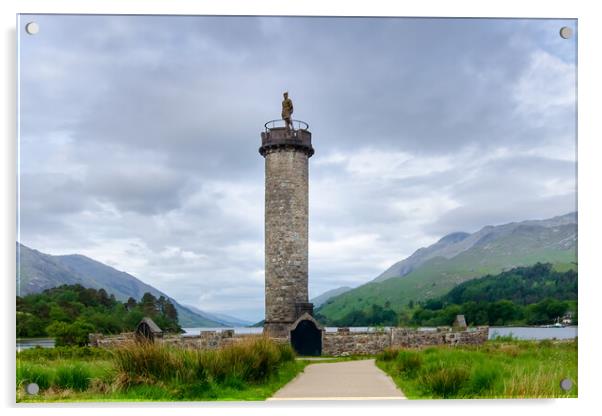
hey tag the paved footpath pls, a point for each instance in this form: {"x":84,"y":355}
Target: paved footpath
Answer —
{"x":346,"y":380}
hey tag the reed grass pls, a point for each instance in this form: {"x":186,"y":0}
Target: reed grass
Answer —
{"x":62,"y":374}
{"x":32,"y":373}
{"x":73,"y":376}
{"x":248,"y":361}
{"x":497,"y":369}
{"x":252,"y":369}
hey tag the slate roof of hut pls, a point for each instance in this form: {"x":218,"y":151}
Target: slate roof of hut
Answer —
{"x":152,"y":325}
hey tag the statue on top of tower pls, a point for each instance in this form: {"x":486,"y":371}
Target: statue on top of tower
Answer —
{"x":287,"y":111}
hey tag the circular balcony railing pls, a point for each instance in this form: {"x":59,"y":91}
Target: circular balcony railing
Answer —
{"x":277,"y":136}
{"x":280,"y":123}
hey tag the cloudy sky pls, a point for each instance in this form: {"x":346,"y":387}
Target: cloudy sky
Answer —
{"x":139,"y":138}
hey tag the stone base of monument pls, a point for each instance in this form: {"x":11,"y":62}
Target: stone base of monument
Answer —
{"x":277,"y":329}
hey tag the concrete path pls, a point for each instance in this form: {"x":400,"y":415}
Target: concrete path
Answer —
{"x":346,"y":380}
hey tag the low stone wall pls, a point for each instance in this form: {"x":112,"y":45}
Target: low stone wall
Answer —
{"x":340,"y":343}
{"x":207,"y":340}
{"x":111,"y":341}
{"x":344,"y":342}
{"x":413,"y":338}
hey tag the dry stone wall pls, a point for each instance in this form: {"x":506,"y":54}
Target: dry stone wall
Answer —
{"x":412,"y":338}
{"x":207,"y":340}
{"x":341,"y":343}
{"x":344,"y":342}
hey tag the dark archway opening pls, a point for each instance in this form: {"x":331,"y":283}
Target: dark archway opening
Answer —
{"x":144,"y":332}
{"x":306,"y":338}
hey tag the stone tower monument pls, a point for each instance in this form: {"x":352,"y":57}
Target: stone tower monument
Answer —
{"x":286,"y":152}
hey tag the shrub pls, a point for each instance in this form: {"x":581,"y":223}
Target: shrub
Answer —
{"x":70,"y":334}
{"x":262,"y":358}
{"x":251,"y":360}
{"x":27,"y":373}
{"x":287,"y":354}
{"x":445,"y":381}
{"x":73,"y":376}
{"x":144,"y":361}
{"x":483,"y":378}
{"x":213,"y":365}
{"x":408,"y":362}
{"x":187,"y":367}
{"x":389,"y":354}
{"x":62,"y":352}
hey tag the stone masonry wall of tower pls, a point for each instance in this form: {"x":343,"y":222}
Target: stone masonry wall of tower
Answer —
{"x":286,"y":233}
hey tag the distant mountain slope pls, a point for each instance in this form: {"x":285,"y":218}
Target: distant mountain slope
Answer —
{"x":453,"y":244}
{"x":434,"y":270}
{"x":221,"y":318}
{"x":39,"y":271}
{"x":321,"y":299}
{"x":420,"y":256}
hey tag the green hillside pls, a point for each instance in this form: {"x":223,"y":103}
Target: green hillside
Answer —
{"x":37,"y":271}
{"x":533,"y":295}
{"x":505,"y":247}
{"x":69,"y":313}
{"x":522,"y":285}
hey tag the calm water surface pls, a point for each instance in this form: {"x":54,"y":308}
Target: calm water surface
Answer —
{"x":25,"y":343}
{"x":567,"y":332}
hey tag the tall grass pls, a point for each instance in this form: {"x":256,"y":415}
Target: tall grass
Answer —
{"x":73,"y":376}
{"x":248,"y":370}
{"x":518,"y":369}
{"x":62,"y":353}
{"x":444,"y":381}
{"x":408,"y":362}
{"x":30,"y":373}
{"x":249,"y":361}
{"x":483,"y":379}
{"x":61,"y":374}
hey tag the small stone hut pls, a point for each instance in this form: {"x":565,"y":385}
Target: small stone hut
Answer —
{"x":147,"y":329}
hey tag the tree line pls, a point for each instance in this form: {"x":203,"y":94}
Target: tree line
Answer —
{"x":532,"y":295}
{"x":69,"y":313}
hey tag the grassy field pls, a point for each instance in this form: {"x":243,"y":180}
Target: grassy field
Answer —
{"x":503,"y":368}
{"x":251,"y":370}
{"x":254,"y":370}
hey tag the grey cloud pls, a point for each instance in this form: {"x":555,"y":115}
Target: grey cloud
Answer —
{"x":141,"y":191}
{"x":467,"y":217}
{"x":154,"y":122}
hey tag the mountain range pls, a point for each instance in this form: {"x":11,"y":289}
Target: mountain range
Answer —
{"x":37,"y":271}
{"x":429,"y":272}
{"x":222,"y":318}
{"x":323,"y":298}
{"x":434,"y":270}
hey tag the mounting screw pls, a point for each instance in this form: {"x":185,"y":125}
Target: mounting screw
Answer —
{"x":566,"y":384}
{"x":32,"y":389}
{"x":32,"y":28}
{"x":566,"y":32}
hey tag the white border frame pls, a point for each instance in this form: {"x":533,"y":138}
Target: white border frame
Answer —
{"x":589,"y":199}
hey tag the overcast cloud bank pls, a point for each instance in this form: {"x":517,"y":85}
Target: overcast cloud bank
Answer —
{"x":139,"y":140}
